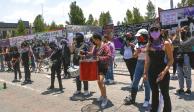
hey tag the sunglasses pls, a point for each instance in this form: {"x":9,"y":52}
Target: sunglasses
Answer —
{"x":154,"y":29}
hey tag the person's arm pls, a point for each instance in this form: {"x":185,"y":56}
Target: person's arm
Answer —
{"x":147,"y":64}
{"x":169,"y":55}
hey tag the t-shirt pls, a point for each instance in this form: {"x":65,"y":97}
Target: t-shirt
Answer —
{"x":142,"y":54}
{"x":127,"y":52}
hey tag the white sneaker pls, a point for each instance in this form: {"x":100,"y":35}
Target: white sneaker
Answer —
{"x":100,"y":98}
{"x":77,"y":92}
{"x":146,"y":104}
{"x":86,"y":93}
{"x":111,"y":81}
{"x":104,"y":102}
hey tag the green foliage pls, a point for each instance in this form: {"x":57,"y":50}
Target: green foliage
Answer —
{"x":129,"y":17}
{"x":151,"y":14}
{"x":90,"y":20}
{"x":53,"y":26}
{"x":185,"y":3}
{"x":39,"y":25}
{"x":95,"y":23}
{"x":21,"y":30}
{"x":76,"y":16}
{"x":137,"y":18}
{"x":105,"y":18}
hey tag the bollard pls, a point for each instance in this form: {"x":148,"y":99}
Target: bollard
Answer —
{"x":4,"y":85}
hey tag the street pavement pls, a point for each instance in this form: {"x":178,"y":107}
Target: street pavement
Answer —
{"x":35,"y":97}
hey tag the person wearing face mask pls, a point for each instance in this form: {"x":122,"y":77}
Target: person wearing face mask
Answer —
{"x":184,"y":64}
{"x":142,"y":37}
{"x":127,"y":51}
{"x":55,"y":57}
{"x":25,"y":56}
{"x":156,"y":69}
{"x":66,"y":57}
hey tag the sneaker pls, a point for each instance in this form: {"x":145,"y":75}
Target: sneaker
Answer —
{"x":104,"y":102}
{"x":100,"y":98}
{"x":180,"y":91}
{"x":77,"y":92}
{"x":146,"y":104}
{"x":86,"y":93}
{"x":188,"y":92}
{"x":111,"y":81}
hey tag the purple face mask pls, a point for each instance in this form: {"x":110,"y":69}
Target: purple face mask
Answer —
{"x":155,"y":35}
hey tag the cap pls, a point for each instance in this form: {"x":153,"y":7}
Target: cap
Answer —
{"x":141,"y":31}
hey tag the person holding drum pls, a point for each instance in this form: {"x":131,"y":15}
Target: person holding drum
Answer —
{"x":102,"y":54}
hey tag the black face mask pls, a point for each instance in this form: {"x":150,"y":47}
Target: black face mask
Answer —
{"x":185,"y":36}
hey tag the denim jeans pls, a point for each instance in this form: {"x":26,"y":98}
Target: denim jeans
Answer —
{"x":137,"y":77}
{"x":109,"y":74}
{"x":1,"y":61}
{"x":184,"y":72}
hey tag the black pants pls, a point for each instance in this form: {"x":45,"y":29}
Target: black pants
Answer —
{"x":16,"y":67}
{"x":56,"y":68}
{"x":131,"y":64}
{"x":27,"y":72}
{"x":175,"y":61}
{"x":79,"y":85}
{"x":65,"y":68}
{"x":164,"y":87}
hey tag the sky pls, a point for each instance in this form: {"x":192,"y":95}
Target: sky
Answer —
{"x":57,"y":10}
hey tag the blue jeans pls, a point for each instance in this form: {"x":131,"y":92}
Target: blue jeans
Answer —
{"x":1,"y":61}
{"x":137,"y":77}
{"x":109,"y":74}
{"x":184,"y":72}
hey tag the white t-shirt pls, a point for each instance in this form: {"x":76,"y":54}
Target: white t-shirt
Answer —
{"x":127,"y":52}
{"x":142,"y":54}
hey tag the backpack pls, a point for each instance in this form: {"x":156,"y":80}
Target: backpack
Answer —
{"x":191,"y":56}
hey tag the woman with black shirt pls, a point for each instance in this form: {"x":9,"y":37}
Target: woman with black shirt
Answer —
{"x":157,"y":70}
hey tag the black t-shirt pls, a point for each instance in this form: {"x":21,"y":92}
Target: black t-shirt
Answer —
{"x":25,"y":57}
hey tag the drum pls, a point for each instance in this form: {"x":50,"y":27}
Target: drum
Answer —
{"x":88,"y":70}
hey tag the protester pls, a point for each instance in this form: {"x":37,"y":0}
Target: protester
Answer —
{"x":2,"y":59}
{"x":127,"y":51}
{"x":109,"y":79}
{"x":79,"y":46}
{"x":25,"y":56}
{"x":16,"y":63}
{"x":140,"y":50}
{"x":103,"y":54}
{"x":66,"y":58}
{"x":55,"y":57}
{"x":176,"y":42}
{"x":184,"y":66}
{"x":156,"y":70}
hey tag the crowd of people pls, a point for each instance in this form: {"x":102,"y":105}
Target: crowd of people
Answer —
{"x":148,"y":54}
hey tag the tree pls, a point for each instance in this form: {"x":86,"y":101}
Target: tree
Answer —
{"x":53,"y":26}
{"x":105,"y":18}
{"x":90,"y":20}
{"x":39,"y":25}
{"x":21,"y":29}
{"x":129,"y":17}
{"x":151,"y":14}
{"x":185,"y":3}
{"x":76,"y":16}
{"x":190,"y":2}
{"x":95,"y":23}
{"x":137,"y":18}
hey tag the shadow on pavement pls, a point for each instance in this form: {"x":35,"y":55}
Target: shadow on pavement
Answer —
{"x":141,"y":108}
{"x":81,"y":97}
{"x":54,"y":91}
{"x":186,"y":96}
{"x":95,"y":106}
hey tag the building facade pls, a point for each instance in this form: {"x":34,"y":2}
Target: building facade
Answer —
{"x":9,"y":29}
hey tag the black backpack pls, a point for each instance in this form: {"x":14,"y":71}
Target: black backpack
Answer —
{"x":191,"y":56}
